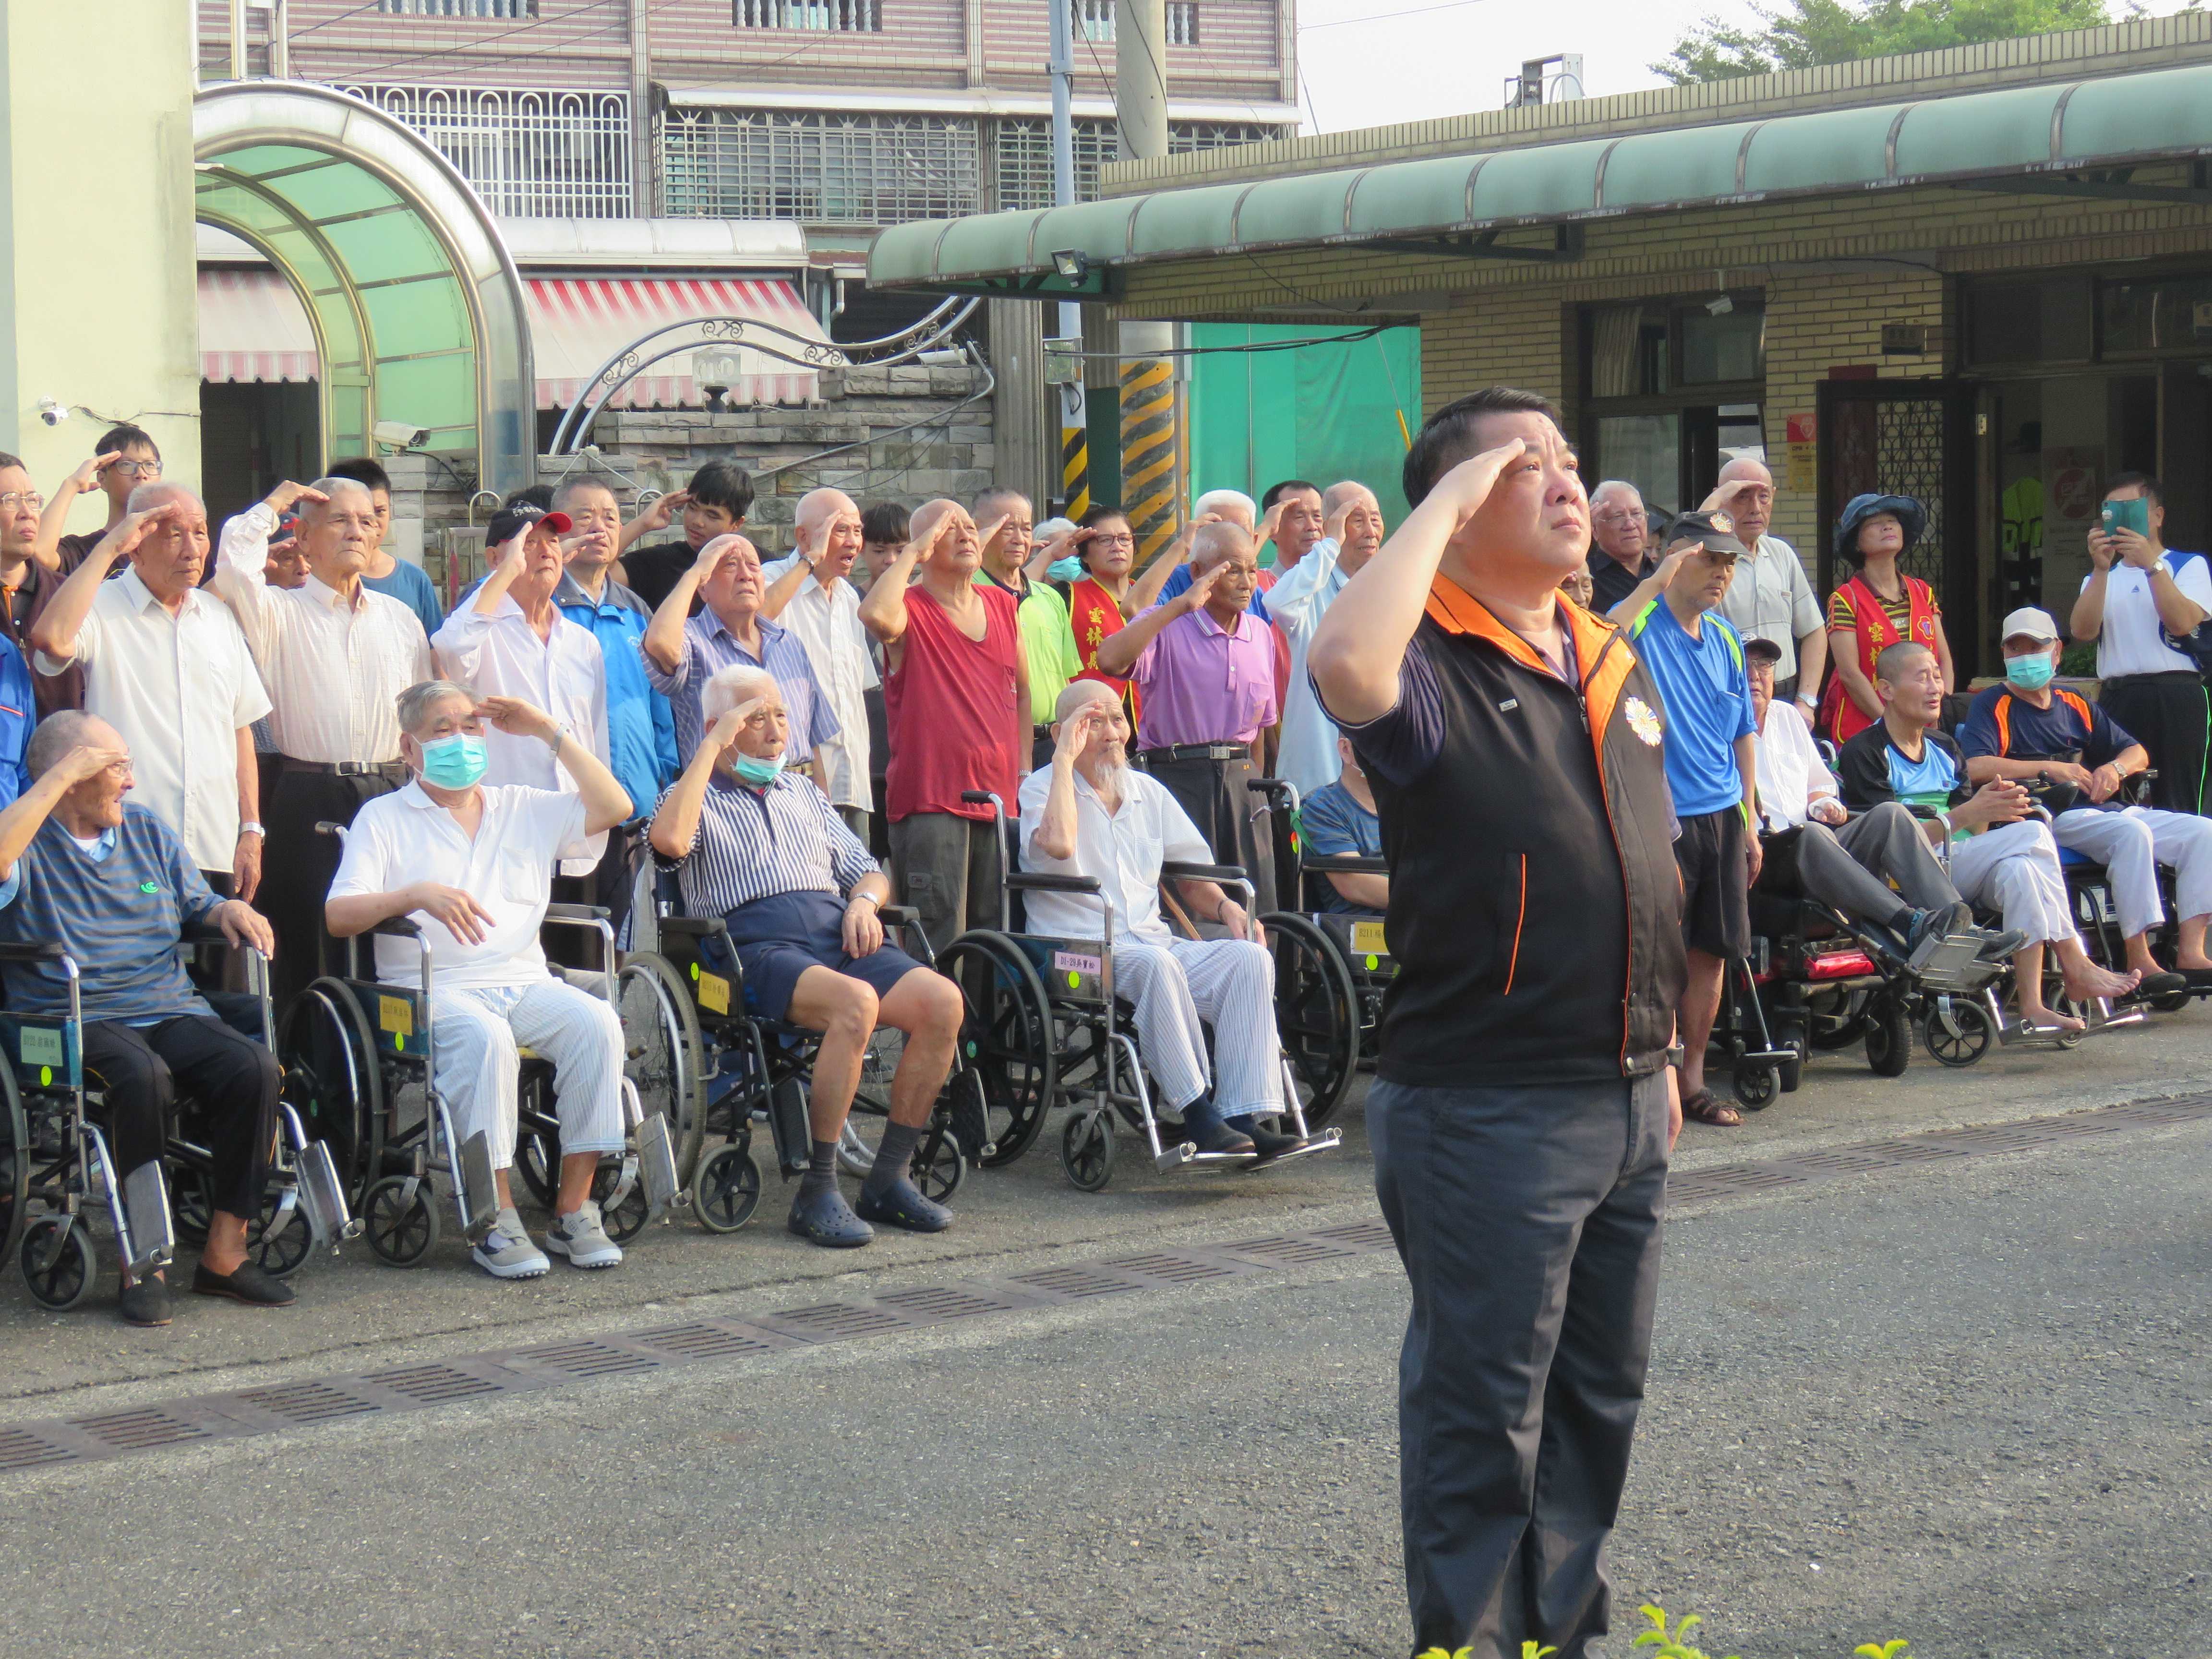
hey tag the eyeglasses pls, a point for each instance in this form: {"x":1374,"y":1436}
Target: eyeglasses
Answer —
{"x":15,"y":498}
{"x":137,"y":468}
{"x":1124,"y":540}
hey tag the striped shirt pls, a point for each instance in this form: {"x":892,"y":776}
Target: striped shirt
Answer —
{"x":709,"y":647}
{"x":757,"y":843}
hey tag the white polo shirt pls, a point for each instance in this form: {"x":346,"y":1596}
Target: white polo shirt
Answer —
{"x":828,"y":623}
{"x":564,"y":674}
{"x":1768,"y":597}
{"x":177,"y":688}
{"x":2130,"y":641}
{"x":1791,"y":773}
{"x":1125,"y":851}
{"x":507,"y":869}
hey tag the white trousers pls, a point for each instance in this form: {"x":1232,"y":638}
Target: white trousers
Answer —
{"x":1227,"y":983}
{"x":2131,"y":844}
{"x":478,"y":1033}
{"x":2014,"y":869}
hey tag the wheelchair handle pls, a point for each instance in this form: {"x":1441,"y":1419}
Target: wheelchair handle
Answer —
{"x":330,"y":827}
{"x":40,"y":951}
{"x":1007,"y":859}
{"x":578,"y":913}
{"x":1273,"y":787}
{"x":1041,"y":882}
{"x":398,"y":928}
{"x":1227,"y":874}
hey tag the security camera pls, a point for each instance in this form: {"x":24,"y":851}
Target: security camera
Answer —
{"x":401,"y":435}
{"x":1722,"y":306}
{"x":52,"y":410}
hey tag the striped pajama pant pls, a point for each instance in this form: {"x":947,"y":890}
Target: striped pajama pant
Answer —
{"x":1226,"y":983}
{"x":478,"y":1031}
{"x":2014,"y":869}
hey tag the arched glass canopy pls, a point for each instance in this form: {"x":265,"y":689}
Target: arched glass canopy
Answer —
{"x":417,"y":309}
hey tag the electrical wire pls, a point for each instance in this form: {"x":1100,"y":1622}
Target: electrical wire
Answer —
{"x":1380,"y":16}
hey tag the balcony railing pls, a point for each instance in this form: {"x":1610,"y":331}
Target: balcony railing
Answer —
{"x":819,"y":167}
{"x":529,"y":153}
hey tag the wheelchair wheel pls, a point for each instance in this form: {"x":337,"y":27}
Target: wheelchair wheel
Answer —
{"x":1958,"y":1034}
{"x":1317,"y":1011}
{"x":1756,"y":1084}
{"x":938,"y":1165}
{"x":1007,"y":1038}
{"x":663,"y":1055}
{"x":1888,"y":1036}
{"x":726,"y":1189}
{"x":284,"y":1253}
{"x":14,"y":1163}
{"x":626,"y":1220}
{"x":1086,"y":1150}
{"x":332,"y":1080}
{"x":538,"y":1161}
{"x":58,"y":1261}
{"x":400,"y":1233}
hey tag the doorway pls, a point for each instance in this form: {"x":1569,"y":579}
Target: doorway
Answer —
{"x":253,"y":436}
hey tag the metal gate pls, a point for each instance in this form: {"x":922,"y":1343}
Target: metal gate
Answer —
{"x":1909,"y":438}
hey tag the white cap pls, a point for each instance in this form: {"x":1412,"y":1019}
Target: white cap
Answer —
{"x":2029,"y":623}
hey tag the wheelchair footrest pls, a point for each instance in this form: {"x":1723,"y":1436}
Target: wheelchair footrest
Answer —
{"x":1765,"y":1056}
{"x":1321,"y":1140}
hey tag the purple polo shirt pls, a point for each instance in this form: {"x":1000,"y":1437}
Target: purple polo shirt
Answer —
{"x":1202,"y":684}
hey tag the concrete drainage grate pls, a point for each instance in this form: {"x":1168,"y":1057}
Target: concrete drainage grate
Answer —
{"x":304,"y":1404}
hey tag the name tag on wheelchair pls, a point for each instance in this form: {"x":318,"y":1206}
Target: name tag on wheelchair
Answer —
{"x":714,"y":993}
{"x":46,"y":1056}
{"x":395,"y":1021}
{"x":1366,"y":949}
{"x":1078,"y":973}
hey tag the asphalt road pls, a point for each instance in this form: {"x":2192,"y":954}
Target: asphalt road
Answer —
{"x":1966,"y":1406}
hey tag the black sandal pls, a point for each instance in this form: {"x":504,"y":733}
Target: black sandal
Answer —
{"x":1702,"y":1107}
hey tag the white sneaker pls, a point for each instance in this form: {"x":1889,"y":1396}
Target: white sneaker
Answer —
{"x":507,"y":1253}
{"x":581,"y":1237}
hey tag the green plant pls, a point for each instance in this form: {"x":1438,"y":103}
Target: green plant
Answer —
{"x":1666,"y":1643}
{"x":1897,"y":1650}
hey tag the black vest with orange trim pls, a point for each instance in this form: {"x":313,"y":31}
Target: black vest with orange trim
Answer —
{"x":1535,"y":908}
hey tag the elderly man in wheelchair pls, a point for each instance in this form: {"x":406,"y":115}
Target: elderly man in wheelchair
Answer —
{"x":472,"y":866}
{"x":1090,"y":814}
{"x":109,"y":883}
{"x":800,"y":900}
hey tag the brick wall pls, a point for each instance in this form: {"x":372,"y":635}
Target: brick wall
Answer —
{"x":580,"y":44}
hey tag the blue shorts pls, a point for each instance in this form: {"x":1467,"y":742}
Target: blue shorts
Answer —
{"x":779,"y":938}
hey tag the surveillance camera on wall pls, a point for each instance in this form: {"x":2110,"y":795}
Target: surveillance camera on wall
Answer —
{"x":52,"y":410}
{"x":401,"y":435}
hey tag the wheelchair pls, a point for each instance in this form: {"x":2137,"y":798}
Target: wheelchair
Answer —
{"x":359,"y":1062}
{"x":750,"y":1067}
{"x":1045,"y":1029}
{"x":56,"y":1157}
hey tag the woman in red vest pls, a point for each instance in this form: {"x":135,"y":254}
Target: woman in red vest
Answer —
{"x":1876,"y":608}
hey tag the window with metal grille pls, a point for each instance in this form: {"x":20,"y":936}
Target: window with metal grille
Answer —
{"x":818,"y":167}
{"x":1024,"y":153}
{"x":457,"y":8}
{"x":529,"y":155}
{"x":1094,"y":18}
{"x":1182,"y":22}
{"x":844,"y":15}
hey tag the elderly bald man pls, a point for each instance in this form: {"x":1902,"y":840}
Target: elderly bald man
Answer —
{"x":1352,"y":525}
{"x":957,"y":699}
{"x":1621,"y":555}
{"x":1770,"y":598}
{"x":1203,"y":664}
{"x":165,"y":665}
{"x":334,"y":656}
{"x":812,"y":593}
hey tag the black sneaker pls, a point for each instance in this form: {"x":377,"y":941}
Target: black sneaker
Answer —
{"x":1220,"y":1138}
{"x":247,"y":1283}
{"x":146,"y":1304}
{"x":1271,"y":1145}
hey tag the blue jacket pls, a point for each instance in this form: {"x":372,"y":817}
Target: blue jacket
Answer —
{"x":19,"y":713}
{"x":641,"y":731}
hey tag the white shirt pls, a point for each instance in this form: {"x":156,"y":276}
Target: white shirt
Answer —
{"x":1306,"y":753}
{"x":2130,"y":641}
{"x":828,"y":623}
{"x":564,"y":674}
{"x":1791,"y":773}
{"x":334,"y":668}
{"x":1124,"y":852}
{"x":404,"y":838}
{"x":1770,"y":596}
{"x":177,"y":688}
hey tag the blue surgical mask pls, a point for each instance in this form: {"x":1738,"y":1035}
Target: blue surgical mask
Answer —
{"x":1069,"y":569}
{"x":758,"y":772}
{"x":2030,"y":673}
{"x":454,"y":762}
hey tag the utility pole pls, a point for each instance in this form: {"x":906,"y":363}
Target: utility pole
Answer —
{"x":642,"y":153}
{"x":1150,"y":445}
{"x":280,"y":40}
{"x":1074,"y":408}
{"x":238,"y":39}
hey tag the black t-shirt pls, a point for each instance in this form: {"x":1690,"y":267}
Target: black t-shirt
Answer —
{"x":655,"y":571}
{"x":1610,"y":584}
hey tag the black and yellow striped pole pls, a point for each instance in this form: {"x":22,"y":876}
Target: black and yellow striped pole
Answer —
{"x":1074,"y":452}
{"x":1151,"y":481}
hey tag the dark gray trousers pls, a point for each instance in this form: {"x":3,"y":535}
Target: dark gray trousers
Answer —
{"x":949,"y":870}
{"x":1528,"y":1221}
{"x":1846,"y":868}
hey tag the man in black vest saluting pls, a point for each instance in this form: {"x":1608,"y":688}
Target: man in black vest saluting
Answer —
{"x":1525,"y":1104}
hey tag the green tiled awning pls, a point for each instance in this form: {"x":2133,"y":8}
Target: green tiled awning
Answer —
{"x":2016,"y":132}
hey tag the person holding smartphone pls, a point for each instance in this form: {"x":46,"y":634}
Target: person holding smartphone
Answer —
{"x":2136,"y":600}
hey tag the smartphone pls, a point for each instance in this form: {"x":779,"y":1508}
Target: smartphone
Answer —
{"x":2128,"y":515}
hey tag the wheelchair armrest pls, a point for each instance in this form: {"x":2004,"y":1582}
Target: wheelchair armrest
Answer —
{"x":45,"y":950}
{"x":1036,"y":881}
{"x":202,"y":931}
{"x":397,"y":927}
{"x":330,"y":827}
{"x":695,"y":927}
{"x":1271,"y":786}
{"x":577,"y":916}
{"x":978,"y":797}
{"x":1344,"y":864}
{"x":1172,"y":871}
{"x":898,"y":916}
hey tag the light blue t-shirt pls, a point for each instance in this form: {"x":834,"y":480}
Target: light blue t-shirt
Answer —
{"x":412,"y":586}
{"x":1708,"y":697}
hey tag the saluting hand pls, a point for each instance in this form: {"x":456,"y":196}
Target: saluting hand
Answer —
{"x":663,"y":508}
{"x":1200,"y":586}
{"x":517,"y":718}
{"x":281,"y":499}
{"x":133,"y":529}
{"x":1468,"y":485}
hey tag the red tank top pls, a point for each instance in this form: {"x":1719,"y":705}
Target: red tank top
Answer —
{"x":951,"y":709}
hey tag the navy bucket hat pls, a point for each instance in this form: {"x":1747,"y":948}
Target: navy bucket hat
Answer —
{"x":1908,"y":513}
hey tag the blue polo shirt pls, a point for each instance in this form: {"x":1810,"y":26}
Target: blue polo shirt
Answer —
{"x":641,"y":731}
{"x":1707,"y":692}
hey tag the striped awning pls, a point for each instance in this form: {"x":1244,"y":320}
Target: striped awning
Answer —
{"x":578,"y":323}
{"x":252,"y":328}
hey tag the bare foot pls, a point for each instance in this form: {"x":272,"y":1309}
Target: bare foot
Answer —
{"x":2199,"y":963}
{"x":2046,"y":1019}
{"x":2090,"y":982}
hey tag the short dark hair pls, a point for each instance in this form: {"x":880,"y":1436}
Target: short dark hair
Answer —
{"x":361,"y":470}
{"x":1099,"y":515}
{"x":724,"y":484}
{"x":537,"y":496}
{"x":122,"y":436}
{"x":1447,"y":437}
{"x":1276,"y":491}
{"x":7,"y":461}
{"x":2143,"y":481}
{"x":999,"y":493}
{"x":883,"y":523}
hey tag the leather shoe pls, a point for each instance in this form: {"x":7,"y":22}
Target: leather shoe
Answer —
{"x":146,"y":1304}
{"x":825,"y":1219}
{"x":1271,"y":1145}
{"x":1218,"y":1137}
{"x":247,"y":1283}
